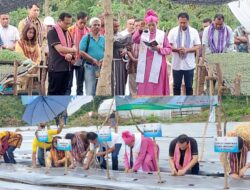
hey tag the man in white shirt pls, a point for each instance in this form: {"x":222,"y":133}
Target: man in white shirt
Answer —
{"x":113,"y":147}
{"x":185,"y":41}
{"x":8,"y":33}
{"x":218,"y":37}
{"x":130,"y":27}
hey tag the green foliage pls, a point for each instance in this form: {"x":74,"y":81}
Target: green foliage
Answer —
{"x":17,"y":16}
{"x":11,"y":56}
{"x":11,"y":111}
{"x":123,"y":9}
{"x":92,"y":106}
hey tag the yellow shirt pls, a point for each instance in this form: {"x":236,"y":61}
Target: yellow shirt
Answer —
{"x":36,"y":143}
{"x":3,"y":134}
{"x":14,"y":140}
{"x":19,"y":49}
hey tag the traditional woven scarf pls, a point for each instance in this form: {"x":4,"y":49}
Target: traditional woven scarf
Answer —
{"x":77,"y":35}
{"x":4,"y":144}
{"x":30,"y":51}
{"x":78,"y":149}
{"x":223,"y":39}
{"x":56,"y":155}
{"x":15,"y":140}
{"x":66,"y":40}
{"x":187,"y":39}
{"x":238,"y":160}
{"x":39,"y":28}
{"x":177,"y":156}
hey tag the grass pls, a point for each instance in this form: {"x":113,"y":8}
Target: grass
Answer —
{"x":236,"y":109}
{"x":11,"y":111}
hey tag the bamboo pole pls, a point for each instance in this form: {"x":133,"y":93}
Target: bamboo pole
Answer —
{"x":106,"y":119}
{"x":137,"y":127}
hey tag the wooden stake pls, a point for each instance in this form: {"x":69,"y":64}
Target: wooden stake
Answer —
{"x":30,"y":86}
{"x":220,"y":79}
{"x":157,"y":163}
{"x":203,"y":141}
{"x":237,"y":85}
{"x":225,"y":172}
{"x":15,"y":79}
{"x":219,"y":134}
{"x":107,"y":162}
{"x":44,"y":149}
{"x":66,"y":163}
{"x":196,"y":71}
{"x":211,"y":82}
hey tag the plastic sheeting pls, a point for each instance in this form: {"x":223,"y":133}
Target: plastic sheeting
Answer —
{"x":241,"y":11}
{"x":119,"y":180}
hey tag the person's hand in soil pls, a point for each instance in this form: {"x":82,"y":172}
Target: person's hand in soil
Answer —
{"x":181,"y":172}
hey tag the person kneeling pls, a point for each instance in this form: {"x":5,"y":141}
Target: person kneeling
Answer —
{"x":183,"y":156}
{"x":238,"y":161}
{"x":139,"y":153}
{"x":58,"y":158}
{"x":101,"y":150}
{"x":9,"y":141}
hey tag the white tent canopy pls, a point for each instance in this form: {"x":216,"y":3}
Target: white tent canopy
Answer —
{"x":77,"y":102}
{"x":241,"y":10}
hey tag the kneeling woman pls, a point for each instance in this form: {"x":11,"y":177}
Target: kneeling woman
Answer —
{"x":57,"y":158}
{"x":238,"y":161}
{"x":139,"y":153}
{"x":9,"y":141}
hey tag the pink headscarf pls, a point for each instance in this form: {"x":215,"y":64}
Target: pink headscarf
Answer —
{"x":151,"y":16}
{"x":128,"y":137}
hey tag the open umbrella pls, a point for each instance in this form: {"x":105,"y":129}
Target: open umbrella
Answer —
{"x":7,"y":6}
{"x":45,"y":108}
{"x":202,"y":2}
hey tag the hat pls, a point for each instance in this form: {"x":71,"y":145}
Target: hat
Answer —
{"x":49,"y":21}
{"x":128,"y":137}
{"x":151,"y":16}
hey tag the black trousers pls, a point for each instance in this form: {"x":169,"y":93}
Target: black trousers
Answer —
{"x":188,"y":79}
{"x":58,"y":82}
{"x":194,"y":170}
{"x":79,"y":80}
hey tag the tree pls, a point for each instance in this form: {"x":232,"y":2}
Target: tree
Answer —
{"x":46,"y":7}
{"x":104,"y":82}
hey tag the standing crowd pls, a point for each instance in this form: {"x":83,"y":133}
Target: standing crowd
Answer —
{"x":140,"y":54}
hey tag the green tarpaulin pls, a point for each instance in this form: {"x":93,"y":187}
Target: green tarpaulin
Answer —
{"x":124,"y":103}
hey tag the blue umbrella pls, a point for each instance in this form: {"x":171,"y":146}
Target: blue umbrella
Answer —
{"x":45,"y":108}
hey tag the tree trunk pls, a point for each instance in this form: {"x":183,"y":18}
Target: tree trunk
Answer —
{"x":104,"y":81}
{"x":46,"y":7}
